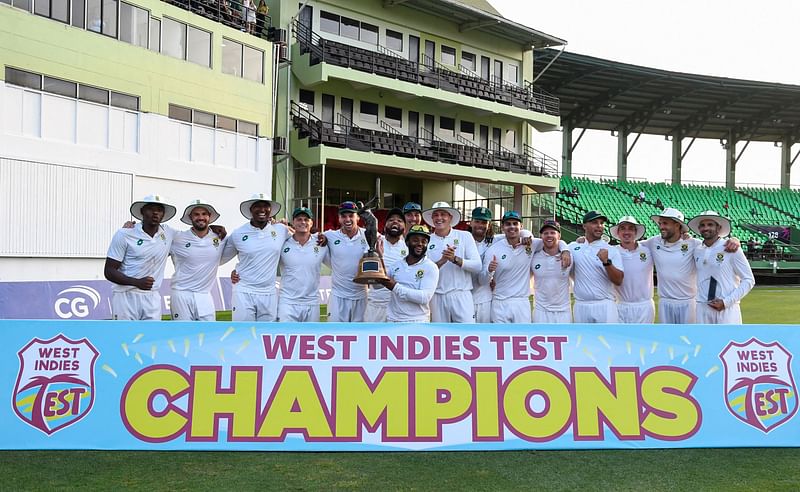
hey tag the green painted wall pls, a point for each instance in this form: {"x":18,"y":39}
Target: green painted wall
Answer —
{"x":46,"y":46}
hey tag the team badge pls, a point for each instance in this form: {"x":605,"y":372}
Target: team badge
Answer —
{"x":420,"y":274}
{"x":643,"y":256}
{"x":316,"y":249}
{"x":759,"y":387}
{"x":55,"y":384}
{"x":139,"y":242}
{"x":337,"y":241}
{"x":684,"y":248}
{"x":215,"y":242}
{"x":528,"y":250}
{"x":363,"y":241}
{"x":720,"y":257}
{"x":285,"y":250}
{"x":244,"y":238}
{"x":163,"y":237}
{"x":403,"y":252}
{"x":273,"y":233}
{"x":188,"y":245}
{"x":455,"y":242}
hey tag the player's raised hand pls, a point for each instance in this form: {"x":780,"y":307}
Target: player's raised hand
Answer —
{"x":603,"y":255}
{"x":493,"y":264}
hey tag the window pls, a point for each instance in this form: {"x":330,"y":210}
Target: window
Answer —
{"x":124,"y":101}
{"x":203,"y":118}
{"x":447,"y":124}
{"x":180,"y":113}
{"x":79,"y":13}
{"x":448,"y":55}
{"x":307,"y":99}
{"x":468,"y":61}
{"x":510,"y":141}
{"x":349,"y":28}
{"x":20,"y":4}
{"x":61,"y":87}
{"x":369,"y":112}
{"x":54,"y":9}
{"x":226,"y":123}
{"x":498,"y":71}
{"x":468,"y":130}
{"x":394,"y":115}
{"x":247,"y":128}
{"x":253,"y":61}
{"x":155,"y":34}
{"x":133,"y":24}
{"x":93,"y":94}
{"x":23,"y":78}
{"x":212,"y":120}
{"x":231,"y":57}
{"x":329,"y":22}
{"x":173,"y":41}
{"x":369,"y":33}
{"x":198,"y":46}
{"x":109,"y":18}
{"x":70,"y":89}
{"x":513,"y":73}
{"x":394,"y":40}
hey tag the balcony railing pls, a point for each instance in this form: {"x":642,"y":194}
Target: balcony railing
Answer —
{"x":385,"y":63}
{"x":388,"y":140}
{"x":232,"y":13}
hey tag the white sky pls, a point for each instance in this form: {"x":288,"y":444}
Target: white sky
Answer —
{"x":735,"y":38}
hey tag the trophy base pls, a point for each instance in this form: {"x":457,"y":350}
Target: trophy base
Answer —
{"x":370,"y":271}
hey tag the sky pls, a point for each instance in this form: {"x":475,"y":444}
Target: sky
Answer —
{"x":734,"y":38}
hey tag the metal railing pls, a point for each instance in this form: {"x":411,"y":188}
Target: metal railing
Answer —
{"x":427,"y":146}
{"x":385,"y":62}
{"x":232,"y":13}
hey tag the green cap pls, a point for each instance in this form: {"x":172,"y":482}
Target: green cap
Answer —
{"x":511,"y":215}
{"x":592,"y":215}
{"x":481,"y":213}
{"x":302,"y":210}
{"x":419,"y":230}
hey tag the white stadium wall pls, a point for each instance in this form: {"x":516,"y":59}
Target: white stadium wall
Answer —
{"x":69,"y":170}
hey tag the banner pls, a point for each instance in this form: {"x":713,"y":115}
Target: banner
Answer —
{"x":383,"y":387}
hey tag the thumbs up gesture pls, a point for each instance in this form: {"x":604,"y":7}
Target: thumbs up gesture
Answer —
{"x":493,"y":264}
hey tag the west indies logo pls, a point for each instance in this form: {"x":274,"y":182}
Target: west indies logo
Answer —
{"x":759,"y":387}
{"x":55,"y":384}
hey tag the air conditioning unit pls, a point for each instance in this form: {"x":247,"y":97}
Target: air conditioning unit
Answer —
{"x":279,"y":146}
{"x":283,"y":53}
{"x":276,"y":35}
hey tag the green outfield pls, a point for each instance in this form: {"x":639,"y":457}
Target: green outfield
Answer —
{"x":651,"y":470}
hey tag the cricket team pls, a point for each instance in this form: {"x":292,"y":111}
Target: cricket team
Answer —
{"x":436,"y":273}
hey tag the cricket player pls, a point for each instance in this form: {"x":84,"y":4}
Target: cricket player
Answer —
{"x":258,"y":244}
{"x":552,"y":282}
{"x":635,"y":294}
{"x":412,"y":280}
{"x":480,"y":227}
{"x":392,"y":247}
{"x":301,"y":260}
{"x":456,"y":255}
{"x":723,"y":278}
{"x":597,"y":269}
{"x":136,"y":259}
{"x":346,"y":247}
{"x":412,"y":214}
{"x":196,"y":253}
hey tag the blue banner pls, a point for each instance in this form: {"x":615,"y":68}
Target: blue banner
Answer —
{"x":384,"y":387}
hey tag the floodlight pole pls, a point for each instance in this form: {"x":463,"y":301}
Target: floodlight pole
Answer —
{"x":677,"y":158}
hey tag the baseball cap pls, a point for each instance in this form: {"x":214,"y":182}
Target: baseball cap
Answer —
{"x":419,"y":230}
{"x":592,"y":215}
{"x":553,"y":224}
{"x":302,"y":210}
{"x":346,"y":207}
{"x":511,"y":215}
{"x":394,"y":211}
{"x":412,"y":207}
{"x":481,"y":213}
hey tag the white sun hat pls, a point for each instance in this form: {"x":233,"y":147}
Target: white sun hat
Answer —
{"x":244,"y":207}
{"x":628,"y":219}
{"x":674,"y":214}
{"x":199,"y":203}
{"x":169,"y":210}
{"x":428,"y":214}
{"x":724,"y":223}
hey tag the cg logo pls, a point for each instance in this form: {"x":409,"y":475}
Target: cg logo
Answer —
{"x":75,"y":301}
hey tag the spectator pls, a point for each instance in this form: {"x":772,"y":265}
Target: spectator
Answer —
{"x":725,"y":207}
{"x":754,"y":212}
{"x":751,"y":248}
{"x":641,"y":196}
{"x":261,"y":18}
{"x":575,"y":191}
{"x":249,"y":15}
{"x":659,"y":204}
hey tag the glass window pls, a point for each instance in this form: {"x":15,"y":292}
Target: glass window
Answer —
{"x":59,"y":10}
{"x":349,"y":28}
{"x":198,"y":43}
{"x":510,"y":141}
{"x":328,"y":22}
{"x":446,"y":123}
{"x":394,"y":115}
{"x":93,"y":94}
{"x":20,"y":4}
{"x":180,"y":113}
{"x":231,"y":57}
{"x":155,"y":34}
{"x":6,"y":1}
{"x":513,"y":74}
{"x":42,"y":7}
{"x":110,"y":18}
{"x":125,"y":101}
{"x":394,"y":40}
{"x":369,"y":33}
{"x":468,"y":61}
{"x":23,"y":78}
{"x":247,"y":128}
{"x":448,"y":55}
{"x":369,"y":112}
{"x":94,"y":21}
{"x":203,"y":118}
{"x":226,"y":123}
{"x":468,"y":129}
{"x":173,"y":42}
{"x":307,"y":99}
{"x":133,"y":25}
{"x":253,"y":64}
{"x":498,"y":71}
{"x":61,"y":87}
{"x":79,"y":13}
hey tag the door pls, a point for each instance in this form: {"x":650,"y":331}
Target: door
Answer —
{"x":328,"y":102}
{"x":413,"y":49}
{"x":430,"y":53}
{"x":483,"y":137}
{"x":347,"y":110}
{"x":498,"y":72}
{"x":428,"y":133}
{"x":413,"y":124}
{"x":485,"y":64}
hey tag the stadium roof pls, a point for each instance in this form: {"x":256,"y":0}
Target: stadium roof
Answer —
{"x":607,"y":95}
{"x":480,"y":15}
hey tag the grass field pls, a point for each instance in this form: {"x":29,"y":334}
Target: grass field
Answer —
{"x":647,"y":470}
